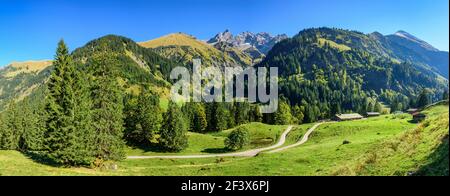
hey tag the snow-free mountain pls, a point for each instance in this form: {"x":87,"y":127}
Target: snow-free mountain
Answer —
{"x":256,"y":45}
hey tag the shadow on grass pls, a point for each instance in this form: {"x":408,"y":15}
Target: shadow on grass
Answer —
{"x":41,"y":158}
{"x":413,"y":121}
{"x":216,"y":150}
{"x":149,"y":148}
{"x":158,"y":149}
{"x":439,"y":161}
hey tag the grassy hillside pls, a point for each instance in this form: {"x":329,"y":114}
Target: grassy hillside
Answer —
{"x":419,"y":151}
{"x":260,"y":135}
{"x":340,"y":47}
{"x":183,"y":48}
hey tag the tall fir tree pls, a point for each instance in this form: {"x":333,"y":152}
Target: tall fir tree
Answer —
{"x":424,"y":98}
{"x":283,"y":114}
{"x":106,"y":95}
{"x":221,"y":115}
{"x":66,"y":141}
{"x":297,"y":114}
{"x":174,"y":130}
{"x":12,"y":128}
{"x":445,"y":95}
{"x":200,"y":123}
{"x":149,"y":118}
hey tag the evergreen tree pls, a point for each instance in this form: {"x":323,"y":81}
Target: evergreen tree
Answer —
{"x":3,"y":132}
{"x":12,"y":128}
{"x":445,"y":95}
{"x":241,"y":111}
{"x":283,"y":115}
{"x":257,"y":116}
{"x":60,"y":107}
{"x":149,"y":117}
{"x":423,"y":99}
{"x":221,"y":116}
{"x":107,"y":107}
{"x":68,"y":120}
{"x":31,"y":136}
{"x":297,"y":114}
{"x":131,"y":121}
{"x":173,"y":132}
{"x":195,"y":114}
{"x":378,"y":107}
{"x":199,"y":121}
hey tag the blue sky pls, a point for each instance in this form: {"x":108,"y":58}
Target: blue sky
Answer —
{"x":30,"y":29}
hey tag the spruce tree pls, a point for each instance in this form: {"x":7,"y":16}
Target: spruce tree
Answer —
{"x":241,"y":111}
{"x":173,"y":132}
{"x":3,"y":131}
{"x":445,"y":95}
{"x":149,"y":117}
{"x":66,"y":139}
{"x":221,"y":116}
{"x":200,"y":123}
{"x":257,"y":116}
{"x":297,"y":114}
{"x":106,"y":95}
{"x":423,"y":99}
{"x":283,"y":114}
{"x":32,"y":134}
{"x":12,"y":128}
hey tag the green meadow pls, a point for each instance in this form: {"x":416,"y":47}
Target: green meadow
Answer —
{"x":385,"y":145}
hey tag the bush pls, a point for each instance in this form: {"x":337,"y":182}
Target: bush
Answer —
{"x":237,"y":139}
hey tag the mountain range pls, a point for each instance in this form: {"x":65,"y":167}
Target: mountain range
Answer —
{"x":257,"y":45}
{"x":406,"y":47}
{"x":314,"y":65}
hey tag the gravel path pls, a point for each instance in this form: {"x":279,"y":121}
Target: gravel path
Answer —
{"x":249,"y":153}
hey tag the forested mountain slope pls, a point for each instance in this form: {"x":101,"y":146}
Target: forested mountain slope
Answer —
{"x":411,"y":48}
{"x":20,"y":79}
{"x":329,"y":71}
{"x":137,"y":66}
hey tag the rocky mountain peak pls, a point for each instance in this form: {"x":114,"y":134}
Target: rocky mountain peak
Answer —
{"x":262,"y":41}
{"x":412,"y":38}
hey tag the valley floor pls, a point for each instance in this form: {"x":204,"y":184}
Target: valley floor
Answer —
{"x":386,"y":145}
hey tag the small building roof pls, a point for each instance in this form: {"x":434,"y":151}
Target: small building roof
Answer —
{"x":373,"y":113}
{"x":412,"y":109}
{"x":349,"y":116}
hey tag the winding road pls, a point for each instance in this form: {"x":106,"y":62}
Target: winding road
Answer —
{"x":248,"y":153}
{"x":302,"y":141}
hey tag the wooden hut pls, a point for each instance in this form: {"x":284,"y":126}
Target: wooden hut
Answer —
{"x":418,"y":117}
{"x":373,"y":114}
{"x":347,"y":117}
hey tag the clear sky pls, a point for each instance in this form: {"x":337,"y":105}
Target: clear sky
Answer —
{"x":30,"y":29}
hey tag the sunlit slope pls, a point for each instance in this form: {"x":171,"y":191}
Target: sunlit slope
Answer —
{"x":183,"y":48}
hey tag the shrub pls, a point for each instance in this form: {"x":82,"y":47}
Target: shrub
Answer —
{"x":237,"y":139}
